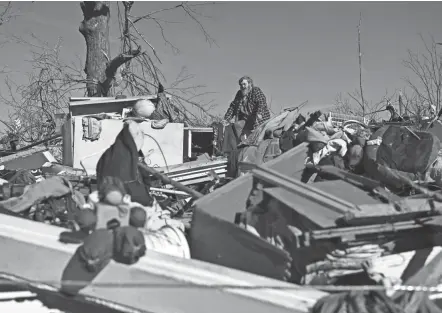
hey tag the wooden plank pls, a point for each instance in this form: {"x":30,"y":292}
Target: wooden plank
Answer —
{"x":189,"y":166}
{"x":168,"y":181}
{"x":202,"y":171}
{"x":89,"y":100}
{"x":347,"y":192}
{"x":387,"y":209}
{"x":314,"y":212}
{"x":99,"y":105}
{"x":199,"y":180}
{"x":199,"y":129}
{"x":67,"y":133}
{"x":351,"y":232}
{"x":103,"y":100}
{"x":199,"y":177}
{"x":75,"y":99}
{"x":304,"y":190}
{"x":364,"y":183}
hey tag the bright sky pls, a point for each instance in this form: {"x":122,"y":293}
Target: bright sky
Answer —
{"x":294,"y":51}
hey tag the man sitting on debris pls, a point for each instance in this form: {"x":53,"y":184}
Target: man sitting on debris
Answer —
{"x":249,"y":105}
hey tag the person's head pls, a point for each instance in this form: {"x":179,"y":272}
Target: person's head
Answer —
{"x":245,"y":84}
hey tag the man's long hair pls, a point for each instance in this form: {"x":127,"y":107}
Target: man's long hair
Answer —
{"x":250,"y":81}
{"x":247,"y":78}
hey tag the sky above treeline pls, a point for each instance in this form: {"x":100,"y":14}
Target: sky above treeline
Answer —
{"x":294,"y":51}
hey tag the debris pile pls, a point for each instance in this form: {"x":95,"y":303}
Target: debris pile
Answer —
{"x":311,"y":201}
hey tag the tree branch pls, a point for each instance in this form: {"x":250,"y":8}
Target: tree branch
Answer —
{"x":427,"y":68}
{"x":6,"y":15}
{"x":360,"y":64}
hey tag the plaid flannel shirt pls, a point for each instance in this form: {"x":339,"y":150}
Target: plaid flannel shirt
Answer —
{"x":255,"y":112}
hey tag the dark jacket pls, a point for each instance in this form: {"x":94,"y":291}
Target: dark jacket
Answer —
{"x":121,"y":160}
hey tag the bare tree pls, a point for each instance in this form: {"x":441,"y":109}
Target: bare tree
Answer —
{"x":362,"y":102}
{"x":47,"y":93}
{"x":354,"y":103}
{"x":426,"y":68}
{"x":6,"y":13}
{"x":100,"y":70}
{"x":351,"y":104}
{"x":413,"y":108}
{"x":53,"y":80}
{"x":342,"y":105}
{"x":141,"y":72}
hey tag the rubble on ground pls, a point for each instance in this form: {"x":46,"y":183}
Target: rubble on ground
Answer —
{"x":310,"y":200}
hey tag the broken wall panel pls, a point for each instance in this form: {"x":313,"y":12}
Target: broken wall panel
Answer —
{"x":224,"y":243}
{"x":225,"y":202}
{"x":164,"y":150}
{"x":215,"y":238}
{"x":162,"y":147}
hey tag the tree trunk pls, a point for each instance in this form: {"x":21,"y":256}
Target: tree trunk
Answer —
{"x":95,"y":29}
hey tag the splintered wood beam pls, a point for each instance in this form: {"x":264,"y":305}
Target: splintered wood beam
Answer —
{"x":169,"y":181}
{"x":350,"y":233}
